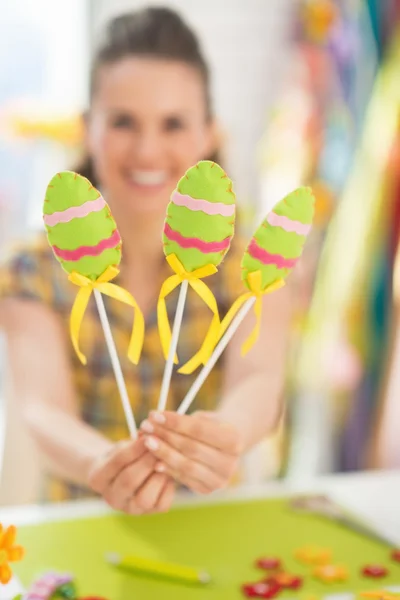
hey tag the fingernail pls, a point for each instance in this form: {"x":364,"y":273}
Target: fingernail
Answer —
{"x":147,"y":426}
{"x":160,"y":468}
{"x":151,"y":444}
{"x":158,"y":417}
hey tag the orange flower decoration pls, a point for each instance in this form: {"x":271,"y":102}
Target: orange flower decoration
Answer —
{"x":313,"y":555}
{"x":8,"y":552}
{"x":331,"y":573}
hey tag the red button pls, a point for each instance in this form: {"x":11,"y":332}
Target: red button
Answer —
{"x":269,"y":564}
{"x":261,"y":589}
{"x":374,"y":571}
{"x":396,"y":555}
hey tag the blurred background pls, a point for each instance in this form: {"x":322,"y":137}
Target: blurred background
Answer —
{"x":306,"y":92}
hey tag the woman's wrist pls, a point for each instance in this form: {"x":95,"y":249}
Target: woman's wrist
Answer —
{"x":91,"y":461}
{"x":239,"y":421}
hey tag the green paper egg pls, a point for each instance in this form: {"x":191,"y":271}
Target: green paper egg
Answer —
{"x":200,"y":219}
{"x":80,"y":227}
{"x":279,"y":241}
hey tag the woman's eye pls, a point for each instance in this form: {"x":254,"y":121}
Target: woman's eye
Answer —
{"x":122,"y":122}
{"x":173,"y":124}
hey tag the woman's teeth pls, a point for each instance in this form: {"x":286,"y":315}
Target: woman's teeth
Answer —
{"x":148,"y":177}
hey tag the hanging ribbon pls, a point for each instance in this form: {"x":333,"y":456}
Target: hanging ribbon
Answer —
{"x":108,"y":289}
{"x":194,"y":280}
{"x":254,"y":281}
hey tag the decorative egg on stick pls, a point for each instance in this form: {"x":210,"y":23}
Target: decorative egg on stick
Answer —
{"x":198,"y":230}
{"x":85,"y":240}
{"x":269,"y":258}
{"x":278,"y":243}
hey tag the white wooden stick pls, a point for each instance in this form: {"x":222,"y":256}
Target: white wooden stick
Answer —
{"x":169,"y":365}
{"x":130,"y":419}
{"x":222,"y":344}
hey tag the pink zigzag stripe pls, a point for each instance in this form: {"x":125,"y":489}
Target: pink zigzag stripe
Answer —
{"x":75,"y":212}
{"x":288,"y":224}
{"x":184,"y":242}
{"x":83,"y":251}
{"x":210,"y":208}
{"x":270,"y":259}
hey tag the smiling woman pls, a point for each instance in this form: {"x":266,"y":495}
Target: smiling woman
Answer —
{"x":150,"y":117}
{"x":149,"y":120}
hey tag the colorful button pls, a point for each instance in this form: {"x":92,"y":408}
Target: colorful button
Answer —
{"x":331,"y":573}
{"x":268,"y":563}
{"x":396,"y":555}
{"x":313,"y":555}
{"x":287,"y":581}
{"x":261,"y":589}
{"x":375,"y":571}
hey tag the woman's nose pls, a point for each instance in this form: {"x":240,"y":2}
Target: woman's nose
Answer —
{"x":148,"y":146}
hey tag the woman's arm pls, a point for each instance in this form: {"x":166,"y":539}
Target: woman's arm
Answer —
{"x":252,"y":395}
{"x":42,"y":385}
{"x":202,"y":451}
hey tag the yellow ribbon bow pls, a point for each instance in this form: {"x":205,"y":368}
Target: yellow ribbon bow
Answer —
{"x":254,"y":281}
{"x":194,"y":280}
{"x":114,"y":291}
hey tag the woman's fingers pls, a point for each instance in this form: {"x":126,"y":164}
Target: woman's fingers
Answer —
{"x":114,"y":462}
{"x":203,"y":427}
{"x":167,"y":496}
{"x":193,"y":451}
{"x":200,"y":450}
{"x":186,"y":480}
{"x":184,"y":469}
{"x":128,"y":482}
{"x":149,"y":495}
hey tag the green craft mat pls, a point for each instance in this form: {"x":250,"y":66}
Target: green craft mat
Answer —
{"x":225,"y":539}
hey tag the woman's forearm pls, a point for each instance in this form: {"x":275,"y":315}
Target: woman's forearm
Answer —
{"x":41,"y":384}
{"x":254,"y":406}
{"x":69,"y":446}
{"x":252,"y":396}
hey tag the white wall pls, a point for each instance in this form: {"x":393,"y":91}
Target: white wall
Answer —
{"x":244,"y":41}
{"x":43,"y":71}
{"x":46,"y":43}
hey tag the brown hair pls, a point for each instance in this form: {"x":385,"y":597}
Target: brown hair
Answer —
{"x":155,"y":32}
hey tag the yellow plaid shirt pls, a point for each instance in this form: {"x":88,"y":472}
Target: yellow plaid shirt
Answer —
{"x":31,"y":272}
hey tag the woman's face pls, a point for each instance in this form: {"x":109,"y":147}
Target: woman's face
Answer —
{"x":147,"y":125}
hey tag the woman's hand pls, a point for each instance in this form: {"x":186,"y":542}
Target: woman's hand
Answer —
{"x":126,"y":479}
{"x":200,"y":451}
